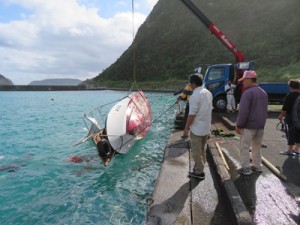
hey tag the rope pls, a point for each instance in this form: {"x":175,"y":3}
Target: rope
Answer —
{"x":134,"y":47}
{"x":163,"y":113}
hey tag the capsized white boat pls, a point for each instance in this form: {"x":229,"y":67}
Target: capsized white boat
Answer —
{"x":128,"y":121}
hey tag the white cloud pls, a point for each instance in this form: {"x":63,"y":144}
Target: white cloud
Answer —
{"x":63,"y":39}
{"x":18,"y":34}
{"x":151,"y":3}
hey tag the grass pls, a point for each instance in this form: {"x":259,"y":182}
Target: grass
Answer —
{"x":275,"y":107}
{"x":171,"y":85}
{"x":279,"y":74}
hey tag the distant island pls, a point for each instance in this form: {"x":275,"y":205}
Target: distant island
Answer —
{"x":5,"y":81}
{"x":60,"y":84}
{"x":56,"y":82}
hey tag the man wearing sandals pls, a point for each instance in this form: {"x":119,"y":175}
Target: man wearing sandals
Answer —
{"x":198,"y":123}
{"x":251,"y":120}
{"x":293,"y":135}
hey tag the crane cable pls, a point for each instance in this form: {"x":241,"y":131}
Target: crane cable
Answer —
{"x":133,"y":48}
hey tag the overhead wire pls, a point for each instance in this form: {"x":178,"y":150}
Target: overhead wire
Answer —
{"x":133,"y":48}
{"x":134,"y":79}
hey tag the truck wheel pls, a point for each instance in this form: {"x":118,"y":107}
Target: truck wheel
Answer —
{"x":220,"y":103}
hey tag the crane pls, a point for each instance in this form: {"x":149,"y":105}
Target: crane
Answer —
{"x":239,"y":56}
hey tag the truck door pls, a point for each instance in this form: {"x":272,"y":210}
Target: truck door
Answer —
{"x":215,"y":80}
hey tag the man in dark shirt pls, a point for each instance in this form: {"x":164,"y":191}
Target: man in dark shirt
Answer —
{"x":293,"y":135}
{"x":251,"y":120}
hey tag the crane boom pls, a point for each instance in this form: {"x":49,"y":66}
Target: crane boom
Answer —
{"x":239,"y":57}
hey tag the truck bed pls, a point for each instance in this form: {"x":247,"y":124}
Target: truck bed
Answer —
{"x":276,"y":91}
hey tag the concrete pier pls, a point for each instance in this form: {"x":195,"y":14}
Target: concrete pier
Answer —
{"x":224,"y":197}
{"x":177,"y":199}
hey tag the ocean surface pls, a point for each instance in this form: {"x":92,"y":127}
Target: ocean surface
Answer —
{"x":38,"y":185}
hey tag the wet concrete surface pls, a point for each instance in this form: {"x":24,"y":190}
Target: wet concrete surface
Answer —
{"x":225,"y":197}
{"x":269,"y":199}
{"x":177,"y":199}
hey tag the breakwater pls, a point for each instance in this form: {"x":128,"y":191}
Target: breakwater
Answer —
{"x":41,"y":88}
{"x":68,"y":88}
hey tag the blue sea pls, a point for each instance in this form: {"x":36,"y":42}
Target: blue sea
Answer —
{"x":38,"y":185}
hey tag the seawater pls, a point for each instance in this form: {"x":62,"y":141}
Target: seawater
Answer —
{"x":38,"y":185}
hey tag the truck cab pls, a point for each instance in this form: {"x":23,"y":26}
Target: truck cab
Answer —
{"x":215,"y":79}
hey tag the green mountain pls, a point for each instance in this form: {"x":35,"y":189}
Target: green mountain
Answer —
{"x":172,"y":42}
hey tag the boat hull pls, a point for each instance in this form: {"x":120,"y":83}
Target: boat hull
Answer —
{"x":128,"y":121}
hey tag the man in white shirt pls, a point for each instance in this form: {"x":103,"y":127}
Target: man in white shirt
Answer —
{"x":229,"y":89}
{"x":199,"y":123}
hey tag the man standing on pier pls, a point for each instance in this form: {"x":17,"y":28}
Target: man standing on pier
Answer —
{"x":198,"y":123}
{"x":229,"y":89}
{"x":250,"y":123}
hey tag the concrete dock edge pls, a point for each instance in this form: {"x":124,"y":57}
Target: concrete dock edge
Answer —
{"x":171,"y":198}
{"x":241,"y":214}
{"x":170,"y":201}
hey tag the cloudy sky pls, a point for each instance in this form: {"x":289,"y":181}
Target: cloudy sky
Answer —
{"x":65,"y":38}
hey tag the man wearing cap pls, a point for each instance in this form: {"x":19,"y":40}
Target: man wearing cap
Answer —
{"x":251,"y":120}
{"x":199,"y":123}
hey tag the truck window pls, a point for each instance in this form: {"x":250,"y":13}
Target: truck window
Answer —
{"x":215,"y":74}
{"x":214,"y":86}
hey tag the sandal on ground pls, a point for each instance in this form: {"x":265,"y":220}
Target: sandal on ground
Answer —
{"x":287,"y":153}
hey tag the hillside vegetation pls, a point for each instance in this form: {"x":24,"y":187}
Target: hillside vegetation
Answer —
{"x":172,"y":42}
